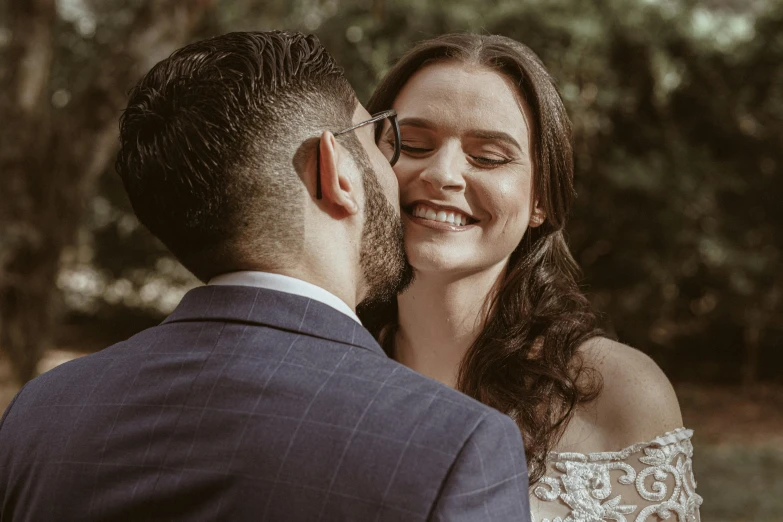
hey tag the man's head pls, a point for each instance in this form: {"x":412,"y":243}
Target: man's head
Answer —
{"x":207,"y":156}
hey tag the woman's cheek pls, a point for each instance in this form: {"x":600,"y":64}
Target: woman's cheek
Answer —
{"x":509,"y":205}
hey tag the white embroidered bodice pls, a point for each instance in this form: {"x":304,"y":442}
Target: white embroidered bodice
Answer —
{"x":646,"y":482}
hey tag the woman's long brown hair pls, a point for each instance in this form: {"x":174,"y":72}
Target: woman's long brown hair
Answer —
{"x":525,"y":362}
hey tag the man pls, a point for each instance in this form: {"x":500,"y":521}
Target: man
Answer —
{"x":261,"y":397}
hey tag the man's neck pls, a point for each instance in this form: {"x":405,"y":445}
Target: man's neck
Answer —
{"x":440,"y":317}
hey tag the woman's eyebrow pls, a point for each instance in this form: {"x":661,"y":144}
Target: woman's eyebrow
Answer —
{"x":494,"y":135}
{"x":416,"y":122}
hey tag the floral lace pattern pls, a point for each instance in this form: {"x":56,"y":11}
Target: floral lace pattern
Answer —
{"x":646,"y":482}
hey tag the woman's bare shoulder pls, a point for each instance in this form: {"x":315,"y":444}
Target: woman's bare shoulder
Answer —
{"x":637,"y":402}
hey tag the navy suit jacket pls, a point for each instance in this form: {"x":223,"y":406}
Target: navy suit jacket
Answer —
{"x":252,"y":404}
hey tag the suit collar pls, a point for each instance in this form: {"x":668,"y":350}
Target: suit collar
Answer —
{"x":280,"y":310}
{"x":284,"y":283}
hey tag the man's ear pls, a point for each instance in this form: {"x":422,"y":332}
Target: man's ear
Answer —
{"x":337,"y":185}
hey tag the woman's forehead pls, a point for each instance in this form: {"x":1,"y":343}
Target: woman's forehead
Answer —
{"x":459,"y":96}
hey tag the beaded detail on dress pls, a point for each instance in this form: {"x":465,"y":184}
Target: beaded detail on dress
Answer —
{"x":646,"y":482}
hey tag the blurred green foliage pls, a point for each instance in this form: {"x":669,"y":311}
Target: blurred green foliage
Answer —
{"x":736,"y":482}
{"x":678,"y":114}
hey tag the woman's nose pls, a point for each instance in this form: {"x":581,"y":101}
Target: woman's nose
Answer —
{"x":444,"y":173}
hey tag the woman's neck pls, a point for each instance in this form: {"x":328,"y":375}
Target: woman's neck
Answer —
{"x":440,"y":316}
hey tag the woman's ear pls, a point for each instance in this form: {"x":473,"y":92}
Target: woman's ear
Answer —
{"x":338,"y":190}
{"x":538,"y":216}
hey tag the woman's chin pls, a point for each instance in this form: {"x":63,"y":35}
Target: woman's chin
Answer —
{"x":428,"y":261}
{"x":437,"y":261}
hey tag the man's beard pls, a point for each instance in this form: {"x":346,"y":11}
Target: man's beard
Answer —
{"x":382,"y":256}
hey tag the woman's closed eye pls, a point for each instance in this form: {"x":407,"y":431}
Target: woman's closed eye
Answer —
{"x":488,"y":157}
{"x":409,"y":148}
{"x":483,"y":160}
{"x":490,"y":161}
{"x":406,"y":146}
{"x":479,"y":156}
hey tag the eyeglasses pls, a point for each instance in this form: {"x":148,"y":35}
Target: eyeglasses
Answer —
{"x":378,"y":120}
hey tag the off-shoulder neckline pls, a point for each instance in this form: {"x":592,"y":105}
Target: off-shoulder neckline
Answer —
{"x":667,"y":439}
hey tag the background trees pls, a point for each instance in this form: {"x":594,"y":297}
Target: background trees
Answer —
{"x":65,"y":69}
{"x":678,"y":111}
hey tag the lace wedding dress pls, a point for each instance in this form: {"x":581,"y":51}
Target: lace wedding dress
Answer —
{"x":646,"y":482}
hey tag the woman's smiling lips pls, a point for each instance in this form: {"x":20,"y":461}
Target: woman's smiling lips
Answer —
{"x":439,"y":217}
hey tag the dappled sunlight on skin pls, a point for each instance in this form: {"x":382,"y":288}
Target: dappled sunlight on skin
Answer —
{"x":452,"y":118}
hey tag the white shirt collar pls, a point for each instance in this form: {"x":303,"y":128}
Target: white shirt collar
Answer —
{"x":286,"y":284}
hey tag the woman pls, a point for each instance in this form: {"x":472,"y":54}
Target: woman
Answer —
{"x":486,"y":182}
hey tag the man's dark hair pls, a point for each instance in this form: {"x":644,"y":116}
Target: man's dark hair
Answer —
{"x":207,"y":145}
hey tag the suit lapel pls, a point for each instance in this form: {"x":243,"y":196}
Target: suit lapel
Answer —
{"x":280,"y":310}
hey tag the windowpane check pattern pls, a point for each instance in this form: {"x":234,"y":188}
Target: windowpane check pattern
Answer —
{"x":252,"y":404}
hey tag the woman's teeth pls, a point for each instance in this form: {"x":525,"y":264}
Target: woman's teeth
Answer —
{"x":450,"y":217}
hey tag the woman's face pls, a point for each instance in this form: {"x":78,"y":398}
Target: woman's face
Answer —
{"x":465,"y":172}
